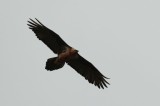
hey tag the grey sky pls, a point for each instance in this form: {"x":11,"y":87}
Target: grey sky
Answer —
{"x":120,"y":37}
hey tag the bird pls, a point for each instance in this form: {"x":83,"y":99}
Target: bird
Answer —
{"x":66,"y":54}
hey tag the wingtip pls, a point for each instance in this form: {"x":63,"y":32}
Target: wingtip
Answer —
{"x":39,"y":22}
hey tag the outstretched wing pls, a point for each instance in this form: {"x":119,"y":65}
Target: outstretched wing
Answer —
{"x":87,"y":70}
{"x":47,"y":36}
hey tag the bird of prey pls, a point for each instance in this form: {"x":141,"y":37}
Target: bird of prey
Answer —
{"x":66,"y":54}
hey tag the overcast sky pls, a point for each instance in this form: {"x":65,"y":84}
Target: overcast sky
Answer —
{"x":120,"y":37}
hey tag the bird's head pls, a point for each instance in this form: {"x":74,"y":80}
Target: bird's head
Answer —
{"x":72,"y":50}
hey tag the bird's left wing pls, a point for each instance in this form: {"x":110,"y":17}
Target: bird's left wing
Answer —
{"x":47,"y":36}
{"x":87,"y":70}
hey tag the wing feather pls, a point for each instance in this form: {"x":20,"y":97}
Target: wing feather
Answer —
{"x":47,"y":36}
{"x":88,"y":71}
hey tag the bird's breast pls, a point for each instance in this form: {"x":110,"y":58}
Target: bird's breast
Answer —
{"x":69,"y":53}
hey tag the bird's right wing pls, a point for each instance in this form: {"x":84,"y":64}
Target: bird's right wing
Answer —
{"x":87,"y":70}
{"x":47,"y":36}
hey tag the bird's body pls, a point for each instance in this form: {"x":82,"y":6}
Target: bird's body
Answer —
{"x":66,"y":54}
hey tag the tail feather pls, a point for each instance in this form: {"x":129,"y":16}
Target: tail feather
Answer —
{"x":52,"y":64}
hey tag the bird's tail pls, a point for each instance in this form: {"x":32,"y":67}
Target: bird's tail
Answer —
{"x":53,"y":64}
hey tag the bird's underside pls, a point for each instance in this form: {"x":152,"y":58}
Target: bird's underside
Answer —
{"x":59,"y":61}
{"x":66,"y":54}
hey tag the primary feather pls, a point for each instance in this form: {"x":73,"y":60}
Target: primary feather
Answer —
{"x":47,"y":36}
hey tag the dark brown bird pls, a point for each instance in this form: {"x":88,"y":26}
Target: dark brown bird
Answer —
{"x":66,"y":54}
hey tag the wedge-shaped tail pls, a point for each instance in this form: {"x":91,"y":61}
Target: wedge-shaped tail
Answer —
{"x":53,"y":64}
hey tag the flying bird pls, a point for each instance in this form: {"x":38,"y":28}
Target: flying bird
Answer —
{"x":66,"y":54}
